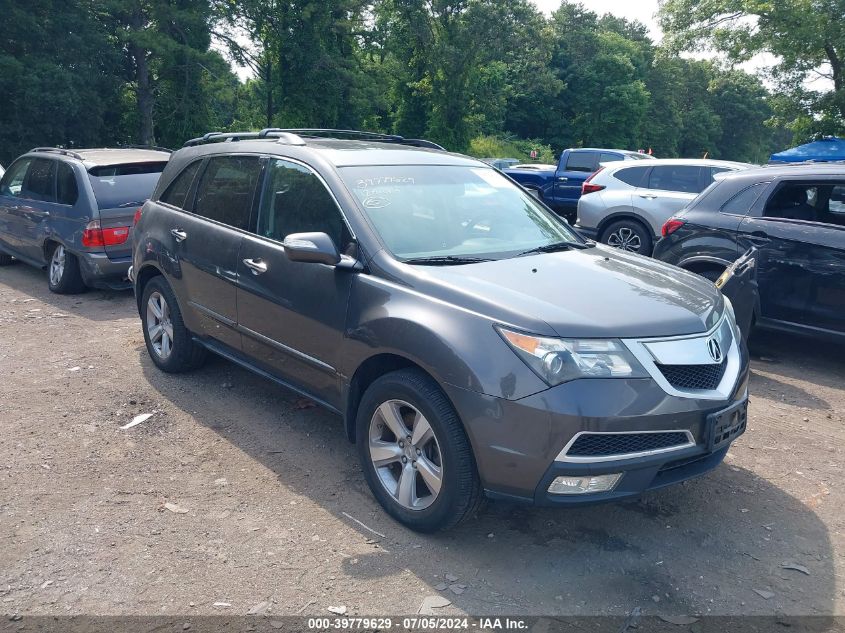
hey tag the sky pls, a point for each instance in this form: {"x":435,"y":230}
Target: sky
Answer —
{"x":642,"y":10}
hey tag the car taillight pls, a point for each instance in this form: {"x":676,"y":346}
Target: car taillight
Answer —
{"x":94,"y":235}
{"x":670,"y":226}
{"x":137,"y":217}
{"x":588,"y":187}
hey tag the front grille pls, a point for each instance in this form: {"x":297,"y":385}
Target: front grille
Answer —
{"x":606,"y":444}
{"x":694,"y":376}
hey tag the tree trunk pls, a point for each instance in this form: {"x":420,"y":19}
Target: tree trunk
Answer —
{"x":268,"y":82}
{"x":144,"y":91}
{"x":836,"y":66}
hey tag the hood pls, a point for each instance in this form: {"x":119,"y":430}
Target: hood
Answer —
{"x":594,"y":293}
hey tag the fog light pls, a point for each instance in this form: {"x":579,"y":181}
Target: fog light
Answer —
{"x":584,"y":485}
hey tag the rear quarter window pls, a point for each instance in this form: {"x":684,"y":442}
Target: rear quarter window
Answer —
{"x":177,"y":192}
{"x":741,"y":203}
{"x":118,"y":186}
{"x":631,"y":175}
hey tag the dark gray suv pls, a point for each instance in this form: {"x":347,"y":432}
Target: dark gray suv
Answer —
{"x":71,"y":211}
{"x":473,"y":343}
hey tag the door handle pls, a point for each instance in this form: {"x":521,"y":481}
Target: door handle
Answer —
{"x":179,"y":234}
{"x":648,"y":196}
{"x":562,"y":178}
{"x":758,"y":237}
{"x":256,"y":266}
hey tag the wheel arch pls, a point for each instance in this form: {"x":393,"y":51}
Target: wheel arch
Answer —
{"x":626,"y":214}
{"x":142,"y":278}
{"x":367,"y":372}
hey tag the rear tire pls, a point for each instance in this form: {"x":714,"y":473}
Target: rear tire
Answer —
{"x":169,"y":342}
{"x":5,"y":259}
{"x":430,"y":483}
{"x":63,"y":275}
{"x":628,"y":235}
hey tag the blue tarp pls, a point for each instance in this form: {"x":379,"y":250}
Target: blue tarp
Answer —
{"x":828,"y":148}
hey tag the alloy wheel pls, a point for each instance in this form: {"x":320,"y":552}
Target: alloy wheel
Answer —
{"x":625,"y":239}
{"x":159,"y":325}
{"x":57,"y":265}
{"x":405,"y":454}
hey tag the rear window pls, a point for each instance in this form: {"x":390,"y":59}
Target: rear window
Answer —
{"x":118,"y":186}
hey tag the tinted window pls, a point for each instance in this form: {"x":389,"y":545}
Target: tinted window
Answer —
{"x":632,"y":175}
{"x":226,"y":189}
{"x":582,"y":161}
{"x":66,"y":188}
{"x":837,"y":200}
{"x":742,"y":202}
{"x":681,"y":178}
{"x":40,"y":181}
{"x":177,"y":193}
{"x":128,"y":169}
{"x":115,"y":192}
{"x":296,"y":201}
{"x":13,"y":179}
{"x":609,"y":158}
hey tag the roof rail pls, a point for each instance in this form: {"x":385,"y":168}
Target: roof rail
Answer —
{"x":156,"y":148}
{"x":57,"y":150}
{"x":293,"y":136}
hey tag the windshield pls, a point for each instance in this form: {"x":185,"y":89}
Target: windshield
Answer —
{"x":452,"y":211}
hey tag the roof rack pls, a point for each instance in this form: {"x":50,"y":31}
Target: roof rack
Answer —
{"x":156,"y":148}
{"x":797,"y":163}
{"x":57,"y":150}
{"x":293,"y":136}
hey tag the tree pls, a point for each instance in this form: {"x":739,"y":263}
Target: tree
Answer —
{"x":807,"y":36}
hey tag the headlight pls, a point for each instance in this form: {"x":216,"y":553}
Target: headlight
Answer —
{"x":558,"y":360}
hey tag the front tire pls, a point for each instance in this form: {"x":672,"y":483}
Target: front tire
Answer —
{"x":63,"y":275}
{"x":415,"y":454}
{"x":169,"y":343}
{"x":628,"y":235}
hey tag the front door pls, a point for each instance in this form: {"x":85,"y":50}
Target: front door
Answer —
{"x":802,"y":260}
{"x":292,"y":314}
{"x":11,"y":214}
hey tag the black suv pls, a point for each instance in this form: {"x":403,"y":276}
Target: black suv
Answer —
{"x":795,"y":216}
{"x":473,"y":342}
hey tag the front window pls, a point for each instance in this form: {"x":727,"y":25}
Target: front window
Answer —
{"x":453,"y":211}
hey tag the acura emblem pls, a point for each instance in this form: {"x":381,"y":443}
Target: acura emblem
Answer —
{"x":715,"y":350}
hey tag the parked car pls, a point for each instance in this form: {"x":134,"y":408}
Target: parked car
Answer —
{"x":501,"y":163}
{"x":795,"y":215}
{"x":472,"y":341}
{"x":560,"y":186}
{"x":71,"y":211}
{"x":625,"y":205}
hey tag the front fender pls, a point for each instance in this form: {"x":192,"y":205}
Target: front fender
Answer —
{"x":454,"y":345}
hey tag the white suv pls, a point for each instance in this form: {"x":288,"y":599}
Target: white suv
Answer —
{"x":625,"y":205}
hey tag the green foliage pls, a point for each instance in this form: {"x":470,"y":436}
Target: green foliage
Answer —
{"x":806,"y":36}
{"x":499,"y":147}
{"x":473,"y":75}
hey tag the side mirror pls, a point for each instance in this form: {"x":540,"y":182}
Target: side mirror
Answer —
{"x":316,"y":248}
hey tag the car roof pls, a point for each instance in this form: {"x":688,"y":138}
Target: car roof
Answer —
{"x":694,"y":162}
{"x":796,"y":169}
{"x":100,"y":156}
{"x":338,"y":152}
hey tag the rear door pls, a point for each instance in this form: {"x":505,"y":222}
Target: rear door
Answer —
{"x":119,"y":191}
{"x":667,"y":190}
{"x":293,"y":314}
{"x":37,"y":200}
{"x":572,"y":174}
{"x":206,"y":241}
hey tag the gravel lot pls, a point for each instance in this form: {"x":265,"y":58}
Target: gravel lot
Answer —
{"x":266,"y":493}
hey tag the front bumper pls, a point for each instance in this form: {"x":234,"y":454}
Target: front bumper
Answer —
{"x":517,"y":443}
{"x":588,"y":232}
{"x":100,"y":271}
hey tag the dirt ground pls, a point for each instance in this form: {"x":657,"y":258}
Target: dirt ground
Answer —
{"x":268,"y":495}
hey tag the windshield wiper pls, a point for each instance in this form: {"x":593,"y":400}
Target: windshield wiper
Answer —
{"x":556,"y":246}
{"x":446,"y":260}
